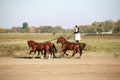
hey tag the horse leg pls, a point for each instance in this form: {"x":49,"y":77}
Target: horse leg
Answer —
{"x":50,"y":54}
{"x":31,"y":54}
{"x":66,"y":53}
{"x":80,"y":55}
{"x":34,"y":54}
{"x":74,"y":52}
{"x":53,"y":53}
{"x":80,"y":52}
{"x":38,"y":54}
{"x":62,"y":54}
{"x":42,"y":54}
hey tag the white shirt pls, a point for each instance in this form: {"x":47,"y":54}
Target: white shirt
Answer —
{"x":77,"y":35}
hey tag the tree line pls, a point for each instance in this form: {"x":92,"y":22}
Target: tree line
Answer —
{"x":106,"y":26}
{"x":95,"y":27}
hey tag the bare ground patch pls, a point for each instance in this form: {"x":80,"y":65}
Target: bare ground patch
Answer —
{"x":60,"y":69}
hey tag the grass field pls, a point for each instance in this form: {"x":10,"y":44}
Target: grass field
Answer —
{"x":15,"y":44}
{"x":101,"y":61}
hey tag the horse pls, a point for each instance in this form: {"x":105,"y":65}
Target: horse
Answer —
{"x":47,"y":47}
{"x":32,"y":44}
{"x":52,"y":48}
{"x":66,"y":45}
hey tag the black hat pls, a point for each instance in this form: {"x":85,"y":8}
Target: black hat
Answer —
{"x":75,"y":25}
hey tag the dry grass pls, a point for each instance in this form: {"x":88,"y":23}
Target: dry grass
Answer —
{"x":14,"y":44}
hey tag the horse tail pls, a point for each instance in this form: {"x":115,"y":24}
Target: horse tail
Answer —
{"x":54,"y":50}
{"x":83,"y":45}
{"x":53,"y":46}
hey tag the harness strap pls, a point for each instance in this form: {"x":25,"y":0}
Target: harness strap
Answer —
{"x":58,"y":37}
{"x":70,"y":36}
{"x":53,"y":39}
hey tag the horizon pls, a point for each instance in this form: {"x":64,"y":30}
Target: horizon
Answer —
{"x":65,"y":13}
{"x":56,"y":25}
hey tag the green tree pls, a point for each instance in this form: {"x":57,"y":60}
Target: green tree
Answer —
{"x":25,"y":27}
{"x":96,"y":24}
{"x":118,"y":23}
{"x":49,"y":29}
{"x":59,"y":29}
{"x":117,"y":27}
{"x":109,"y":25}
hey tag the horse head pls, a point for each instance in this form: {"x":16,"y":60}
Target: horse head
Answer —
{"x":30,"y":43}
{"x":62,"y":40}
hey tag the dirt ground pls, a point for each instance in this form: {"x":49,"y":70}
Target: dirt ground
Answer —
{"x":60,"y":69}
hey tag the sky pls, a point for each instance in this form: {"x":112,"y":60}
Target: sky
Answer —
{"x":65,"y":13}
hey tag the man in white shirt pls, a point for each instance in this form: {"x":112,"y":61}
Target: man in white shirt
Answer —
{"x":77,"y":34}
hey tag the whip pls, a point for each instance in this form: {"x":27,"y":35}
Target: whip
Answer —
{"x":70,"y":36}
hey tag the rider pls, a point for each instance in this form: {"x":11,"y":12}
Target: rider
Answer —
{"x":77,"y":34}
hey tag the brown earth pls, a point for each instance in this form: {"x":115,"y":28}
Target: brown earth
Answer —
{"x":60,"y":69}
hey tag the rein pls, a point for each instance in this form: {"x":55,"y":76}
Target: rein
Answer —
{"x":70,"y":36}
{"x":53,"y":39}
{"x":58,"y":37}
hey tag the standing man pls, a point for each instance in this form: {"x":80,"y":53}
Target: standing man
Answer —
{"x":77,"y":34}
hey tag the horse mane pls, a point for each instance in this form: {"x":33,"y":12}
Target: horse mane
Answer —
{"x":29,"y":43}
{"x":64,"y":39}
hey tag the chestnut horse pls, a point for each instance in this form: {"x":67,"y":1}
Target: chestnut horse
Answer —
{"x":47,"y":47}
{"x":66,"y":45}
